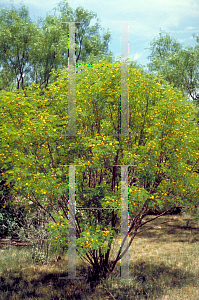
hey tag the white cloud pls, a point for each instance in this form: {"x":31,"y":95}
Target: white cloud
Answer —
{"x":136,"y":56}
{"x":190,"y":28}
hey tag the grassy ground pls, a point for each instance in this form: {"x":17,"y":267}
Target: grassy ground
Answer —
{"x":164,"y":264}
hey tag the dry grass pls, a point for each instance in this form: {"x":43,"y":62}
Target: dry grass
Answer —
{"x":168,"y":257}
{"x":164,"y":264}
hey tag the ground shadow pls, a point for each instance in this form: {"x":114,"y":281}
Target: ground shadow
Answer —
{"x":146,"y":283}
{"x":177,"y":232}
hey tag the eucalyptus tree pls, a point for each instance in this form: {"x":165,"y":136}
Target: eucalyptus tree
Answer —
{"x":29,"y":51}
{"x":178,"y":65}
{"x":17,"y":39}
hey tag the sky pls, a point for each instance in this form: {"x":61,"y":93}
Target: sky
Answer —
{"x":179,"y":18}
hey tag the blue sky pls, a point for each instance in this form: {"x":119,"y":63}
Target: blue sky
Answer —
{"x":179,"y":18}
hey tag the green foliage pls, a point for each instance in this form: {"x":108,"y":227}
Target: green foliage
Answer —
{"x":8,"y":218}
{"x":161,"y":150}
{"x":17,"y":37}
{"x":178,"y":65}
{"x":7,"y":221}
{"x":29,"y":52}
{"x":58,"y":231}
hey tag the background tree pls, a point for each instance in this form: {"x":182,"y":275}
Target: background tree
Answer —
{"x":7,"y":81}
{"x":179,"y":66}
{"x":88,"y":40}
{"x":17,"y":36}
{"x":29,"y":52}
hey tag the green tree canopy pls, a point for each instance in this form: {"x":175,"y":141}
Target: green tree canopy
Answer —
{"x":161,"y":151}
{"x":17,"y":36}
{"x":179,"y":66}
{"x":29,"y":52}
